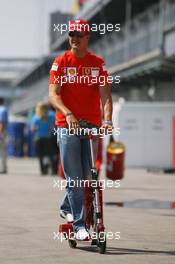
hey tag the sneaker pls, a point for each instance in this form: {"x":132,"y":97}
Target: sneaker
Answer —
{"x":82,"y":234}
{"x":68,"y":217}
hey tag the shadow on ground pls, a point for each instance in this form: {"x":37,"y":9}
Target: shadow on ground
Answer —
{"x":128,"y":251}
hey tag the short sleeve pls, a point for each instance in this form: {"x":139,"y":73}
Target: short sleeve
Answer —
{"x":34,"y":121}
{"x":103,"y":72}
{"x":55,"y":71}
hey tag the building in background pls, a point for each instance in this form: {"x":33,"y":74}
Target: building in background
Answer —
{"x":25,"y":27}
{"x":142,"y":53}
{"x":57,"y":18}
{"x":25,"y":40}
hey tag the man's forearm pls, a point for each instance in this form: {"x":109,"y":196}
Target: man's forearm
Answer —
{"x":108,"y":108}
{"x":106,"y":100}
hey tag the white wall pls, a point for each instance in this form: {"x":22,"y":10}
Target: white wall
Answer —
{"x":146,"y":131}
{"x":24,"y":26}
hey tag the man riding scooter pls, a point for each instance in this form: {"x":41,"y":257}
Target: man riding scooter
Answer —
{"x":73,"y":101}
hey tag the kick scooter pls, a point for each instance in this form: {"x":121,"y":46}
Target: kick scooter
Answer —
{"x":93,"y":206}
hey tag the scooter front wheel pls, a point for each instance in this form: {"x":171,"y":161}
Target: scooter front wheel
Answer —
{"x":72,"y":243}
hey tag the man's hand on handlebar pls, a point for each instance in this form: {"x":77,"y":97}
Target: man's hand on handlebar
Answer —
{"x":72,"y":121}
{"x":107,"y":126}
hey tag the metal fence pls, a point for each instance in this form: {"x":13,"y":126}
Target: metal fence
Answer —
{"x":141,"y":35}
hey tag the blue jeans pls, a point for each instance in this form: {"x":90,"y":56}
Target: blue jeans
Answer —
{"x":76,"y":163}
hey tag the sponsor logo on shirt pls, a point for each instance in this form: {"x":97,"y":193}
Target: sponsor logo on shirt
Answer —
{"x":71,"y":71}
{"x":54,"y":67}
{"x":94,"y":72}
{"x":86,"y":71}
{"x":64,"y":70}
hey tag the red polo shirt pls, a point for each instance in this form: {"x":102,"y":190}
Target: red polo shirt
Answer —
{"x":79,"y":79}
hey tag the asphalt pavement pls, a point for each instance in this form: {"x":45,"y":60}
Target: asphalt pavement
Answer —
{"x":141,"y":212}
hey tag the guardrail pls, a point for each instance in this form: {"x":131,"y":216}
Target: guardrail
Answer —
{"x":141,"y":35}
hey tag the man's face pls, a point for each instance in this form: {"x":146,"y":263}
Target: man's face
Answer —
{"x":78,"y":40}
